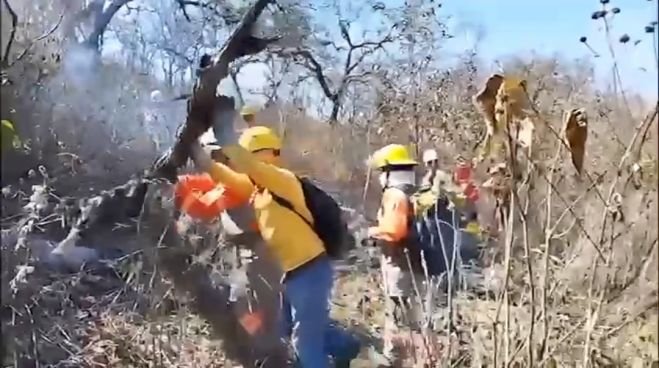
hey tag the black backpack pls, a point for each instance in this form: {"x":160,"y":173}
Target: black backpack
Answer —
{"x":327,"y":216}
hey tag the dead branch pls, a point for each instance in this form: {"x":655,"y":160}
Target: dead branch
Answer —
{"x":102,"y":19}
{"x":204,"y":104}
{"x":149,"y":202}
{"x":12,"y":34}
{"x":177,"y":54}
{"x":226,"y":13}
{"x":306,"y":59}
{"x":209,"y":301}
{"x":40,"y":38}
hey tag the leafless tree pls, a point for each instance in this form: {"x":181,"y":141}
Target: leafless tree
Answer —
{"x":353,"y":69}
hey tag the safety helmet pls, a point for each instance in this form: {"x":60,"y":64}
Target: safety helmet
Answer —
{"x":156,"y":96}
{"x":248,"y":110}
{"x":259,"y":138}
{"x":392,"y":155}
{"x":430,"y":155}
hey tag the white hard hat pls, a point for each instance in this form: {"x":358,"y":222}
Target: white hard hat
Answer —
{"x":156,"y":96}
{"x":430,"y":155}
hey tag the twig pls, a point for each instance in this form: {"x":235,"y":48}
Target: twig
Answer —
{"x":509,"y":239}
{"x":306,"y":59}
{"x":561,"y":341}
{"x":621,"y":163}
{"x":650,"y":305}
{"x":646,"y":261}
{"x":12,"y":34}
{"x":42,"y":37}
{"x":545,"y":262}
{"x":529,"y":269}
{"x":616,"y":71}
{"x":593,"y":316}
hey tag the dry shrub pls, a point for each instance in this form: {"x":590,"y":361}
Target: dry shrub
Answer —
{"x":77,"y":114}
{"x":332,"y":154}
{"x":595,"y":273}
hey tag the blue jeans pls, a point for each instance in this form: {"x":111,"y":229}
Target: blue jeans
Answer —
{"x":305,"y":312}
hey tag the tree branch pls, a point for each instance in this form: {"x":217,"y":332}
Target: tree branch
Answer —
{"x":43,"y":36}
{"x":372,"y":46}
{"x":12,"y":35}
{"x":101,"y":21}
{"x":227,"y":14}
{"x":204,"y":104}
{"x":180,"y":55}
{"x":182,"y":5}
{"x":349,"y":66}
{"x":343,"y":26}
{"x":312,"y":65}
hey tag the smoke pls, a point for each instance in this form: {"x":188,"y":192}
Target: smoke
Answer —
{"x":111,"y":118}
{"x":79,"y":65}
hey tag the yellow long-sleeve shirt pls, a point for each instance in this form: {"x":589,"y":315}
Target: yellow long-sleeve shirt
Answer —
{"x":290,"y":239}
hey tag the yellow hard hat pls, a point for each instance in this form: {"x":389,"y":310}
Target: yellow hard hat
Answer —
{"x":258,"y":138}
{"x":392,"y":155}
{"x":248,"y":110}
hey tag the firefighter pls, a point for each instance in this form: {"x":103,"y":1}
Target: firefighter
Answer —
{"x":397,"y":180}
{"x":254,"y":170}
{"x":248,"y":113}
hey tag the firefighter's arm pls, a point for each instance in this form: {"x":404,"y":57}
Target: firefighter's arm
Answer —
{"x":279,"y":181}
{"x":393,"y":223}
{"x":237,"y":182}
{"x":221,"y":173}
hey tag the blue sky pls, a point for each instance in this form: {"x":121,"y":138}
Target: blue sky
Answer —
{"x":514,"y":27}
{"x":548,"y":27}
{"x":523,"y":27}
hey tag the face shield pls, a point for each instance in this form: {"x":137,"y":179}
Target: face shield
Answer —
{"x":382,"y":179}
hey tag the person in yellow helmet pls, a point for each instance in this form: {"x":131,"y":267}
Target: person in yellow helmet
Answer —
{"x":397,"y":179}
{"x":248,"y":113}
{"x":254,"y":170}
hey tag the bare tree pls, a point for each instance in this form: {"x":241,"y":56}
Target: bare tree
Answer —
{"x":88,"y":25}
{"x":353,"y":69}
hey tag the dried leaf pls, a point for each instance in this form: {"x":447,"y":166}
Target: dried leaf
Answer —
{"x":512,"y":94}
{"x":504,"y":99}
{"x":485,"y":101}
{"x":576,"y":133}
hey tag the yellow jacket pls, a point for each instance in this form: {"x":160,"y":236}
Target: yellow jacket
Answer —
{"x":290,"y":239}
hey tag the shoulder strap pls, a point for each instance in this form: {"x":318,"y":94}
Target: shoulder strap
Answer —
{"x":288,"y":205}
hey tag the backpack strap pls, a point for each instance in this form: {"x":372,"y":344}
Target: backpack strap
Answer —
{"x":288,"y":205}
